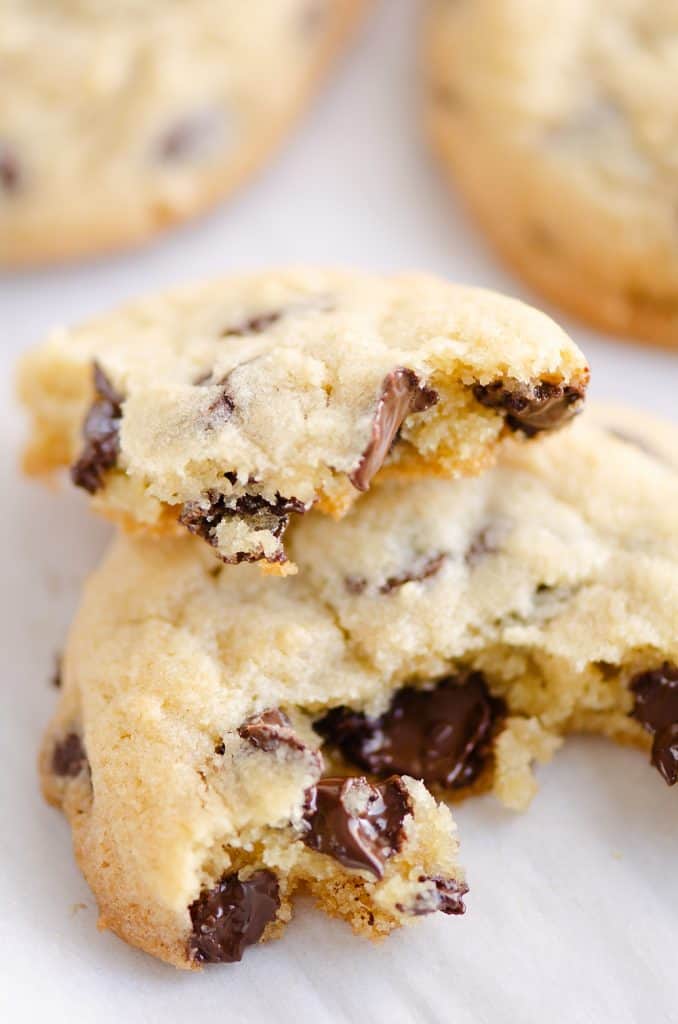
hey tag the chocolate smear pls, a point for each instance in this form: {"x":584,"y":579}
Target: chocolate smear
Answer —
{"x":69,"y":757}
{"x":358,"y":824}
{"x":401,"y":395}
{"x":532,"y":408}
{"x":257,"y":513}
{"x":656,"y":708}
{"x":101,"y":432}
{"x":441,"y":735}
{"x":231,"y":916}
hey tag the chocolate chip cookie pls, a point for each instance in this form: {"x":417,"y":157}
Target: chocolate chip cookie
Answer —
{"x":558,"y":123}
{"x":230,"y":408}
{"x":118,"y":119}
{"x":223,"y":737}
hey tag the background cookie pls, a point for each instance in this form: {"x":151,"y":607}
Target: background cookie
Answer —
{"x":119,"y":119}
{"x":559,"y":122}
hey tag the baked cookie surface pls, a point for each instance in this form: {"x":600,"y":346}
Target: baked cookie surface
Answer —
{"x":118,"y":119}
{"x":229,"y":407}
{"x":559,"y":123}
{"x":451,"y":631}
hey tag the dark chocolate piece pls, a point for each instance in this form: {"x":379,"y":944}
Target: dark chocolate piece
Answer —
{"x":69,"y":757}
{"x":10,"y":171}
{"x":447,"y":897}
{"x":358,"y":824}
{"x":231,"y":916}
{"x":101,"y":431}
{"x":441,"y":735}
{"x":193,"y":137}
{"x":656,"y":708}
{"x":534,"y":407}
{"x":220,"y":748}
{"x":257,"y":512}
{"x":255,"y":325}
{"x":401,"y":394}
{"x":269,"y":730}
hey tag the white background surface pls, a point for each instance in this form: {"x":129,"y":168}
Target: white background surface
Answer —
{"x":573,"y":912}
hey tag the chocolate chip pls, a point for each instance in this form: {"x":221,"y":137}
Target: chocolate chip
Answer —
{"x":441,"y":735}
{"x":419,"y":570}
{"x":231,"y":916}
{"x":446,"y":896}
{"x":358,"y":824}
{"x":10,"y":171}
{"x":101,"y":433}
{"x":534,"y":407}
{"x":220,"y":409}
{"x":255,"y":325}
{"x":194,"y":137}
{"x":257,"y":513}
{"x":401,"y":395}
{"x":486,"y":541}
{"x":656,"y":708}
{"x":220,"y":748}
{"x":69,"y":757}
{"x":355,"y":584}
{"x":269,"y":730}
{"x":56,"y":674}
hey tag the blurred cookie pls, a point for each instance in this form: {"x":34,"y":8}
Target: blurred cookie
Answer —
{"x":118,"y":119}
{"x":558,"y":120}
{"x":227,"y":408}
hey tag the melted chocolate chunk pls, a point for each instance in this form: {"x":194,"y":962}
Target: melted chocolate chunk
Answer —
{"x":656,"y":708}
{"x":255,"y":325}
{"x":441,"y":735}
{"x":231,"y":916}
{"x":401,"y":394}
{"x":220,"y":748}
{"x":269,"y":730}
{"x":257,"y":513}
{"x":101,"y":432}
{"x":358,"y":824}
{"x":447,"y":897}
{"x":194,"y":137}
{"x":532,"y":408}
{"x":10,"y":171}
{"x":69,"y":757}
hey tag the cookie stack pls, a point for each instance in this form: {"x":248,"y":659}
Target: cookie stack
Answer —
{"x":361,"y":570}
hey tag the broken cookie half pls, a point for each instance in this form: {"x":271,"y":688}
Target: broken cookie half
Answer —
{"x":230,"y":408}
